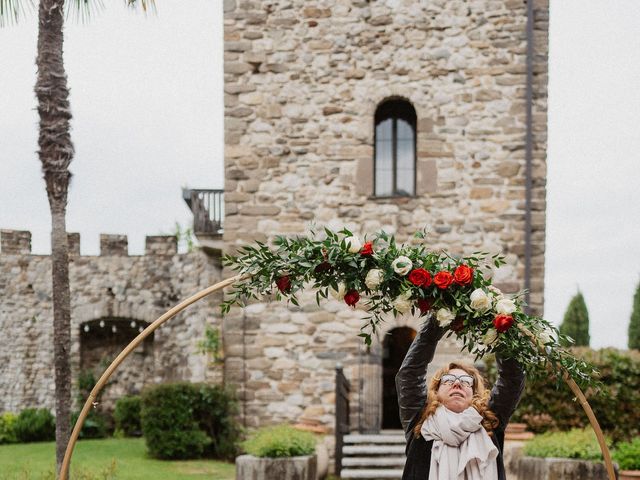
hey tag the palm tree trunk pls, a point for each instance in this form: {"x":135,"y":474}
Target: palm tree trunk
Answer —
{"x":56,"y":152}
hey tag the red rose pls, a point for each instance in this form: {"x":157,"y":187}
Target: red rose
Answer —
{"x":367,"y":249}
{"x":424,"y":305}
{"x":443,"y":280}
{"x":351,"y":298}
{"x":503,"y":322}
{"x":457,"y":325}
{"x":322,"y":267}
{"x":284,"y":284}
{"x":463,"y":275}
{"x":420,"y":277}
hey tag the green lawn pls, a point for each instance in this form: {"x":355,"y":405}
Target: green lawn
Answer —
{"x":110,"y":459}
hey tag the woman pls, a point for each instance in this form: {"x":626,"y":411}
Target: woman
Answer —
{"x":455,"y":429}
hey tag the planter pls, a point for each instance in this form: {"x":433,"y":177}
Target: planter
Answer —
{"x":249,"y":467}
{"x":629,"y":475}
{"x":564,"y":468}
{"x":517,"y":431}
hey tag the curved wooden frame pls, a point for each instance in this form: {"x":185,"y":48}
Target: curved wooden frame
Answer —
{"x":64,"y":470}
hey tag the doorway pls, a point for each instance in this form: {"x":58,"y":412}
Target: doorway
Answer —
{"x":395,"y":346}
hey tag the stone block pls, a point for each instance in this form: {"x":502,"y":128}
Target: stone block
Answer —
{"x":15,"y":242}
{"x":161,"y":245}
{"x":560,"y":468}
{"x":113,"y":245}
{"x":249,"y":467}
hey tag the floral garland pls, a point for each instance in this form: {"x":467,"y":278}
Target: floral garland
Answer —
{"x":387,"y":278}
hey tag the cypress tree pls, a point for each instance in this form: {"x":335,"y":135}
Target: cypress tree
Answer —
{"x":634,"y":324}
{"x":576,"y":321}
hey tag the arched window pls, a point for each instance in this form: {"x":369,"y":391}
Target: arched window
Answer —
{"x":395,"y":149}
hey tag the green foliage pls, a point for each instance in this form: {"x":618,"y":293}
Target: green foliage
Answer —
{"x":211,"y":344}
{"x":576,"y":321}
{"x":280,"y":441}
{"x":627,"y":455}
{"x":127,"y":416}
{"x":96,"y":423}
{"x":544,"y":407}
{"x":35,"y":425}
{"x":184,"y":420}
{"x":634,"y":323}
{"x":185,"y":237}
{"x":7,"y":428}
{"x":580,"y":444}
{"x":336,"y":262}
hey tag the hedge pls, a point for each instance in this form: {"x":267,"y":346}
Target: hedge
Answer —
{"x":127,"y":416}
{"x":35,"y":425}
{"x":280,"y":441}
{"x":184,"y":420}
{"x":577,"y":443}
{"x":545,"y":408}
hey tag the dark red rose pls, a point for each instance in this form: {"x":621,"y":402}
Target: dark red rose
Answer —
{"x":367,"y":249}
{"x":463,"y":275}
{"x":424,"y":305}
{"x":284,"y":284}
{"x":443,"y":280}
{"x":322,"y":267}
{"x":420,"y":277}
{"x":457,"y":325}
{"x":503,"y":322}
{"x":351,"y":298}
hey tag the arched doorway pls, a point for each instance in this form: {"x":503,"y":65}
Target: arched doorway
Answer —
{"x":101,"y":340}
{"x":395,"y":347}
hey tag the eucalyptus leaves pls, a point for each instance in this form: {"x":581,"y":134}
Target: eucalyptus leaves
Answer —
{"x":385,"y":278}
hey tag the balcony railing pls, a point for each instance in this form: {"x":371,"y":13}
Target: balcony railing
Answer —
{"x":208,"y":210}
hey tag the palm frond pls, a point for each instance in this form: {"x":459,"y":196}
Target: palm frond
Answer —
{"x":144,"y":4}
{"x":12,"y":10}
{"x":82,"y":10}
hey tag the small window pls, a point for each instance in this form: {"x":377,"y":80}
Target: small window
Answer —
{"x":395,"y":149}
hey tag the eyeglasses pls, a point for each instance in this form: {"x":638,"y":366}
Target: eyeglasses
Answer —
{"x":449,"y":379}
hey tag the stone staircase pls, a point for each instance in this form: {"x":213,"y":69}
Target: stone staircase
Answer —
{"x":374,"y":456}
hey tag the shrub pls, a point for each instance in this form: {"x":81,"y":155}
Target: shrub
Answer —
{"x":627,"y":455}
{"x":35,"y":425}
{"x":280,"y":441}
{"x":185,"y":420}
{"x":575,"y":323}
{"x":544,"y":408}
{"x":95,"y":424}
{"x":580,"y":444}
{"x":7,"y":428}
{"x":127,"y":416}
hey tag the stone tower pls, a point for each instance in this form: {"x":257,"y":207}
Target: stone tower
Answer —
{"x":376,"y":114}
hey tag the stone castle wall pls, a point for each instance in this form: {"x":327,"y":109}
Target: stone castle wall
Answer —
{"x":302,"y":82}
{"x":114,"y":289}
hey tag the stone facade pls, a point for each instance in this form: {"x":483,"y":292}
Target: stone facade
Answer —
{"x":113,"y":295}
{"x":302,"y":83}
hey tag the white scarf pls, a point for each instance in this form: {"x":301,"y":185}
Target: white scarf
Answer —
{"x":462,"y":449}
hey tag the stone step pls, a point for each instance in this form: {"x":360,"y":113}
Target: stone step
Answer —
{"x":373,"y":450}
{"x":373,"y":461}
{"x":371,"y":473}
{"x":374,"y":438}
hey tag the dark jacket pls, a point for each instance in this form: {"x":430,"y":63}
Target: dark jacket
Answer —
{"x":411,"y":385}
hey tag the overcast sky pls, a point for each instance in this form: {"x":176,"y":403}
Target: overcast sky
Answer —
{"x":146,"y":96}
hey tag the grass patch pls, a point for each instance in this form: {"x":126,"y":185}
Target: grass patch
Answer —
{"x":95,"y":460}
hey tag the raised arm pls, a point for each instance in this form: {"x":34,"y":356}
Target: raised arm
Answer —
{"x":507,"y":391}
{"x":411,"y":378}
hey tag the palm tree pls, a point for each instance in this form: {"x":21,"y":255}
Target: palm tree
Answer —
{"x":55,"y":153}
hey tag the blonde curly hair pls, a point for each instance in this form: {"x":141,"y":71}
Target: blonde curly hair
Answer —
{"x":479,"y":401}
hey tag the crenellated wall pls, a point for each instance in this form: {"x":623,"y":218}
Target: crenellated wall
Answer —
{"x":111,"y":291}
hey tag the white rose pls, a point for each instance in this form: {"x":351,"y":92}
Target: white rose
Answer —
{"x":354,"y":245}
{"x":480,"y":301}
{"x":444,"y":317}
{"x":505,"y":306}
{"x":402,"y":265}
{"x":402,"y":303}
{"x":373,"y":279}
{"x":338,"y":294}
{"x":496,"y":292}
{"x":490,"y":337}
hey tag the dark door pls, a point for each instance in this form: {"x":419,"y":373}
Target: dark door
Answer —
{"x":395,"y":347}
